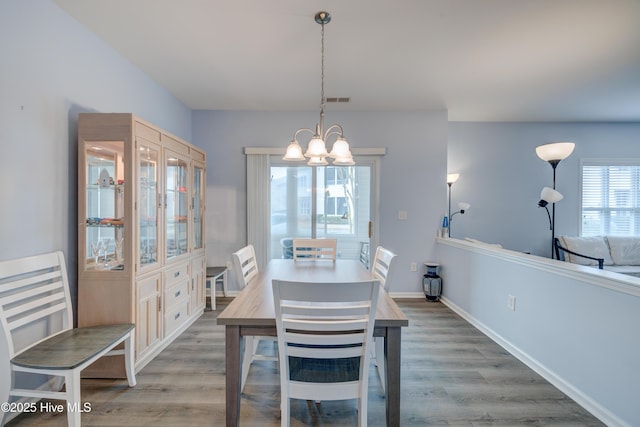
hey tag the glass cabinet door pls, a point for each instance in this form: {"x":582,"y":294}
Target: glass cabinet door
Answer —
{"x":176,"y":205}
{"x":198,"y":206}
{"x":104,"y":211}
{"x":148,"y":203}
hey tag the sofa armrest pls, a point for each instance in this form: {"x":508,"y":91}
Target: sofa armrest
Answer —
{"x":558,"y":247}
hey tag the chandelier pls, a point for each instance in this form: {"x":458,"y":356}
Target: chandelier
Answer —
{"x":316,"y":150}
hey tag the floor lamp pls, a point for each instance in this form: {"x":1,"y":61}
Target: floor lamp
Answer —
{"x":462,"y":206}
{"x":554,"y":153}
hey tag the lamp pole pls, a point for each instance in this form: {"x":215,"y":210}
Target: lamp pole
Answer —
{"x":451,"y":178}
{"x":449,"y":212}
{"x":554,"y":165}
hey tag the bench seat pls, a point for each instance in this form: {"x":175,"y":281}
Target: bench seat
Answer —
{"x":73,"y":348}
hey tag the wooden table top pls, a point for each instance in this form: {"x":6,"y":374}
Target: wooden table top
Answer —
{"x":254,"y":305}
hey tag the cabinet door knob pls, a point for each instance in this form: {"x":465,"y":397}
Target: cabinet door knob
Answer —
{"x":176,"y":274}
{"x":177,"y":294}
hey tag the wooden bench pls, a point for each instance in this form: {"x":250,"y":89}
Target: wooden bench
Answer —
{"x":38,"y":337}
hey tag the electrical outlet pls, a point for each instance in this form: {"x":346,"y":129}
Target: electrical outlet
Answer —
{"x":414,"y":266}
{"x":228,"y":265}
{"x":511,"y":303}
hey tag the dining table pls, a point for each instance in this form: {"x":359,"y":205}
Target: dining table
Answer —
{"x":252,"y":313}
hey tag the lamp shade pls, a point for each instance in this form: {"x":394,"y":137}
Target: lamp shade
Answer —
{"x":344,"y":161}
{"x":340,"y":149}
{"x":550,"y":195}
{"x":317,"y":161}
{"x":463,"y":206}
{"x":294,"y":151}
{"x":556,"y":151}
{"x":316,"y":148}
{"x":452,"y":177}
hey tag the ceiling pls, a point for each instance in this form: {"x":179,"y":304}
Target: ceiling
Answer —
{"x":482,"y":60}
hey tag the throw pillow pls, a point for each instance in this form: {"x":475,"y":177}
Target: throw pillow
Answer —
{"x":625,"y":250}
{"x":591,"y":246}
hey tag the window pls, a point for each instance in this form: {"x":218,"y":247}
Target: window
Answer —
{"x":610,"y":198}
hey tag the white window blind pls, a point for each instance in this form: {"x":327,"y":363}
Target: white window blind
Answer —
{"x":610,"y":198}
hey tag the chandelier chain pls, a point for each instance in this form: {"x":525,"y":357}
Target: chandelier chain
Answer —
{"x":322,"y":69}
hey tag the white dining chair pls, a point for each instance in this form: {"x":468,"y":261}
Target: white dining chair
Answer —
{"x":246,"y":269}
{"x":325,"y":333}
{"x":383,"y":269}
{"x":315,"y":249}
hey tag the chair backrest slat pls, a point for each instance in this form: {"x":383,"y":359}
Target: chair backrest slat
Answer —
{"x":315,"y":249}
{"x":382,"y":266}
{"x":317,"y":339}
{"x":28,"y":294}
{"x":42,"y":301}
{"x":325,"y":353}
{"x":245,"y":265}
{"x":53,"y":276}
{"x":342,"y":310}
{"x":37,"y":316}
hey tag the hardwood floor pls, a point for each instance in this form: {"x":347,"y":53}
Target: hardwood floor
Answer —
{"x":451,"y":375}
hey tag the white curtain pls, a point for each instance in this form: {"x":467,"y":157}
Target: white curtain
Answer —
{"x":258,"y":215}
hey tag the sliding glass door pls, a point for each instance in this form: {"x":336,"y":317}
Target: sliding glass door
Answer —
{"x":322,"y":202}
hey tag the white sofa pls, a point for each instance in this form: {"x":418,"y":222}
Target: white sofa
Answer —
{"x":620,"y":254}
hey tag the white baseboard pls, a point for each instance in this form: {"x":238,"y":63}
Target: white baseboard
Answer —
{"x":407,"y":295}
{"x":583,"y":400}
{"x":394,"y":295}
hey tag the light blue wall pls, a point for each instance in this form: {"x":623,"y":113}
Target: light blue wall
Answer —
{"x":412,"y":175}
{"x":52,"y":69}
{"x":501,"y":176}
{"x":571,"y":324}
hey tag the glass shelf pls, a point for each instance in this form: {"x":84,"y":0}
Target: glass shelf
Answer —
{"x":104,"y":205}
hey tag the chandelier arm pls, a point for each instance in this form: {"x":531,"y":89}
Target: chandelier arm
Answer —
{"x":295,"y":135}
{"x":331,"y":131}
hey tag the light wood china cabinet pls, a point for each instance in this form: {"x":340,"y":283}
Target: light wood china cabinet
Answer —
{"x":141,"y":251}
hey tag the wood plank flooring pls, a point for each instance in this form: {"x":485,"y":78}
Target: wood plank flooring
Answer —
{"x":451,"y":375}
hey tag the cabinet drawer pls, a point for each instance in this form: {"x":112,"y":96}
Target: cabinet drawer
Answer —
{"x":175,"y":317}
{"x":176,"y":293}
{"x":176,"y":274}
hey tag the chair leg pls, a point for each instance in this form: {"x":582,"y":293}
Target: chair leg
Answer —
{"x":212,"y":292}
{"x":5,"y":392}
{"x":129,"y":346}
{"x":285,"y":415}
{"x":74,"y":404}
{"x":362,"y":412}
{"x":379,"y":348}
{"x":362,"y":403}
{"x":225,"y":291}
{"x":249,"y":350}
